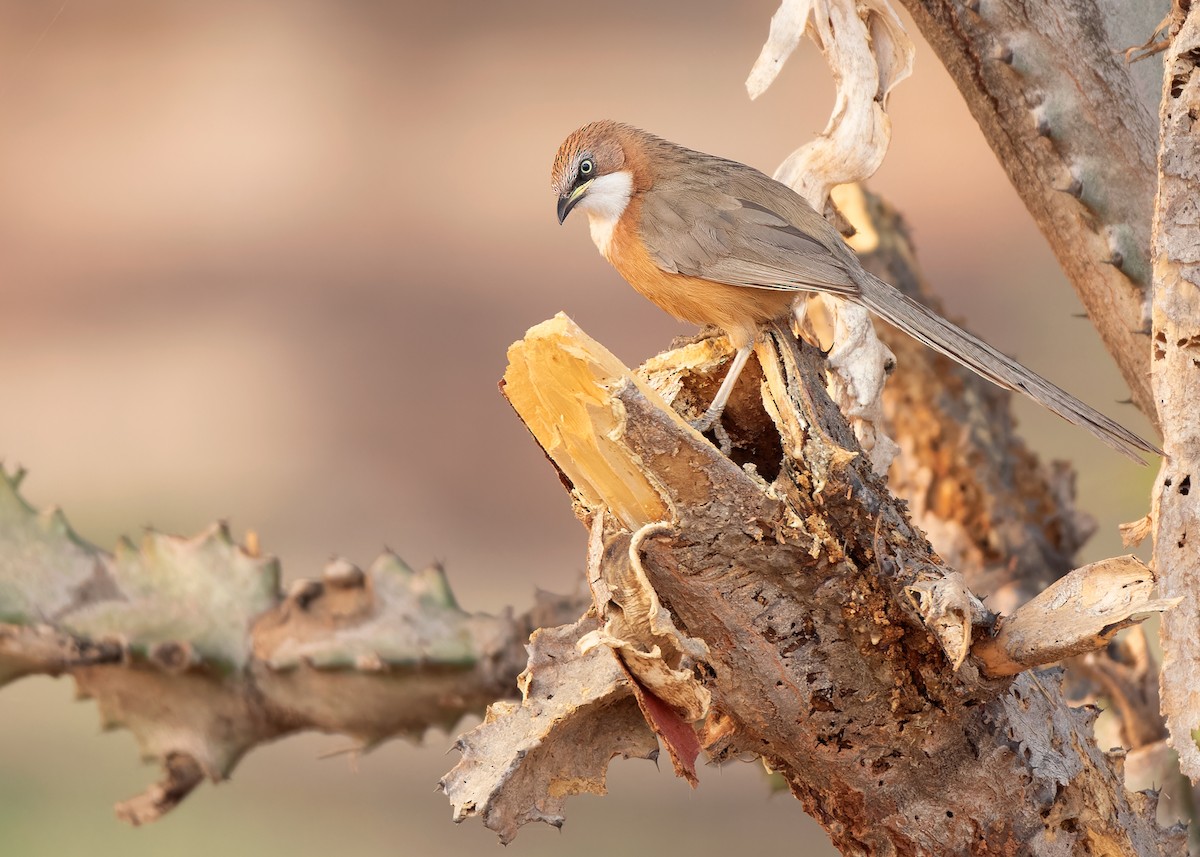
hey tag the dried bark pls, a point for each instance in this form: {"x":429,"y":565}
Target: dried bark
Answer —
{"x":1080,"y":613}
{"x":818,"y":609}
{"x":1175,"y":369}
{"x":1001,"y":517}
{"x":524,"y":761}
{"x":992,"y":510}
{"x":1066,"y":118}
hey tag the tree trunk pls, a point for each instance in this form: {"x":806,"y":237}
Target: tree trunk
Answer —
{"x":1072,"y":128}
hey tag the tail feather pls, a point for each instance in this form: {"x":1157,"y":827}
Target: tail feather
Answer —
{"x":929,"y":328}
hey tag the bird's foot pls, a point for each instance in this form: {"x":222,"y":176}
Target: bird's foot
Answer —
{"x":712,"y":423}
{"x":723,"y":442}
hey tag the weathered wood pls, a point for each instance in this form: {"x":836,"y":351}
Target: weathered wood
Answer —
{"x":1175,"y":371}
{"x":993,"y":511}
{"x":803,"y":579}
{"x":1059,"y":107}
{"x":1078,"y":613}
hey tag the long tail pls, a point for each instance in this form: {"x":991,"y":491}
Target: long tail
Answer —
{"x":927,"y":327}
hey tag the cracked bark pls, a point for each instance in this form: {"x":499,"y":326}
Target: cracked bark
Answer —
{"x":1007,"y":521}
{"x":992,"y":510}
{"x":1175,"y":366}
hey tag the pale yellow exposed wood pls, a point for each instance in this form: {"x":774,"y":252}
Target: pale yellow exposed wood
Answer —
{"x":561,"y":381}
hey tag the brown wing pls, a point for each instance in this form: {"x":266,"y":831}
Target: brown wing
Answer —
{"x":726,"y":222}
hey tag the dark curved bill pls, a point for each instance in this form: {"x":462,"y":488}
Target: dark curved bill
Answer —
{"x":565,"y":204}
{"x":568,"y":200}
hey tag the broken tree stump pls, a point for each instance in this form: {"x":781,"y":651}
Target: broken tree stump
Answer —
{"x":780,"y":598}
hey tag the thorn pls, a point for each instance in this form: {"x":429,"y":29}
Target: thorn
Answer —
{"x":1079,"y":315}
{"x":1040,"y":123}
{"x":342,"y":574}
{"x":1116,"y":259}
{"x":1125,"y":401}
{"x":304,"y":592}
{"x":1152,"y":797}
{"x":1075,"y":188}
{"x":971,"y":5}
{"x":353,"y":750}
{"x":1004,"y":54}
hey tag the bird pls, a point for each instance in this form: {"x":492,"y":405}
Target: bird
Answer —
{"x":716,"y":242}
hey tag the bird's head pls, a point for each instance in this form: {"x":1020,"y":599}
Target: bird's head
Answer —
{"x":593,"y":170}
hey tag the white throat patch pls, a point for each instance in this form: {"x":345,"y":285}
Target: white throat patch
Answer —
{"x":604,"y":203}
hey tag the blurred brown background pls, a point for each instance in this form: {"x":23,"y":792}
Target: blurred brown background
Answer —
{"x":261,"y":261}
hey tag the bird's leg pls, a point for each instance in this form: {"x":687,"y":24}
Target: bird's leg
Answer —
{"x":718,"y":405}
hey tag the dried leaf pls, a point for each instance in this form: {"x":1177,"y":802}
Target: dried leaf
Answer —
{"x":868,"y":53}
{"x":637,"y":626}
{"x":677,"y":734}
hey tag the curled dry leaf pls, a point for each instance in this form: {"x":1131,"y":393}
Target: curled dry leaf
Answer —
{"x":638,"y":627}
{"x":657,"y":655}
{"x":868,"y":53}
{"x":861,"y":362}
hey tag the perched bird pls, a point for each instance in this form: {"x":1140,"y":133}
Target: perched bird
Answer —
{"x":712,"y":241}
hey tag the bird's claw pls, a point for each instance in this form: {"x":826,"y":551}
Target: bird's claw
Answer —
{"x":706,"y":424}
{"x":723,"y":442}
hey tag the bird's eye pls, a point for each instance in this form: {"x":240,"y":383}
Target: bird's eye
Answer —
{"x":586,"y":167}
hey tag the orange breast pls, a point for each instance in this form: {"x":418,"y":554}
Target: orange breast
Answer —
{"x":737,"y":310}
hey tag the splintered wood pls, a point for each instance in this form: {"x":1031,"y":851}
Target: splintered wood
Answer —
{"x":563,"y":391}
